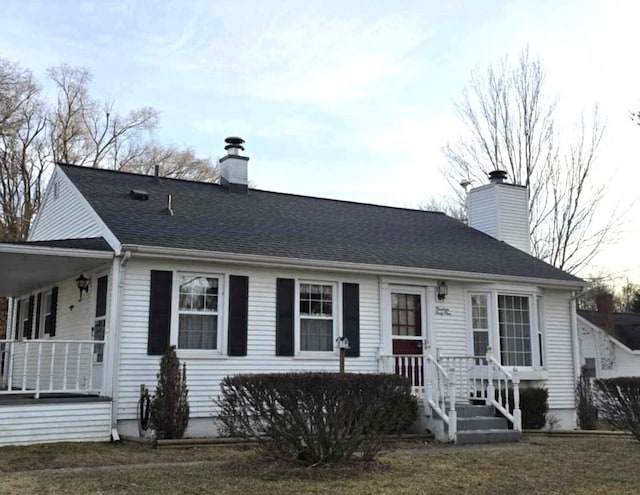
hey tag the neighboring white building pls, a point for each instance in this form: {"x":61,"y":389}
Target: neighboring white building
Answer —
{"x":609,"y":343}
{"x":243,"y":280}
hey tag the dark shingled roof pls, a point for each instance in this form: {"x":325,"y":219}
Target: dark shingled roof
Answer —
{"x":209,"y":217}
{"x":89,"y":244}
{"x":626,"y":326}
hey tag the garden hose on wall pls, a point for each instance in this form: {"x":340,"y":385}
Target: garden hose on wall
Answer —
{"x":143,"y":411}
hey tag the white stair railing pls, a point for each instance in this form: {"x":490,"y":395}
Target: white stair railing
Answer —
{"x":500,"y":382}
{"x":440,"y":388}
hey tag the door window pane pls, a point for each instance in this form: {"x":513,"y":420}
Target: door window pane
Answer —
{"x":405,"y":315}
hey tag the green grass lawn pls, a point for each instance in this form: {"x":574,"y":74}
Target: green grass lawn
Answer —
{"x":539,"y":464}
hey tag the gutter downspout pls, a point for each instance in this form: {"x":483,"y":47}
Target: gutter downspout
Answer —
{"x":120,"y":273}
{"x":576,"y":348}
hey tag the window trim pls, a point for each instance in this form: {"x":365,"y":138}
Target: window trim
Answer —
{"x":536,"y":328}
{"x":221,"y":344}
{"x":336,"y":311}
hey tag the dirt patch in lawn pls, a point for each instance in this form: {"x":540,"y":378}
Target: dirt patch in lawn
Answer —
{"x":536,"y":465}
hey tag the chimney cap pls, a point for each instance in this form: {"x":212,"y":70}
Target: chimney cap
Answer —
{"x":234,"y":142}
{"x":497,"y":176}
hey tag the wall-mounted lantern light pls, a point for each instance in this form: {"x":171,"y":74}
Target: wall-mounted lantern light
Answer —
{"x":82,"y":283}
{"x":443,"y":290}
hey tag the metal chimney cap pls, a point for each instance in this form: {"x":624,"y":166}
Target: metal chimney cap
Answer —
{"x":497,"y":176}
{"x":234,"y":142}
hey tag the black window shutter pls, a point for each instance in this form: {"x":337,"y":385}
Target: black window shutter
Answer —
{"x":18,"y":322}
{"x":28,"y":324}
{"x":351,"y":317}
{"x":38,"y":309}
{"x":285,"y":301}
{"x":54,"y":312}
{"x":159,"y":312}
{"x":238,"y":315}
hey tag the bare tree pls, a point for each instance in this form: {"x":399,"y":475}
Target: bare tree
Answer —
{"x":451,"y":207}
{"x":509,"y":124}
{"x":74,"y":129}
{"x":173,"y":162}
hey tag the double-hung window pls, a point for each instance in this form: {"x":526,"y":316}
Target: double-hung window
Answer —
{"x":480,"y":323}
{"x":317,"y":316}
{"x":198,"y":311}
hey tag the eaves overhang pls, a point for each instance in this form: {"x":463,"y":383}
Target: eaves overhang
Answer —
{"x":24,"y":267}
{"x":340,"y":266}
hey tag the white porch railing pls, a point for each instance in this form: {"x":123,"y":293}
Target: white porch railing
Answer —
{"x":441,"y":381}
{"x":47,"y":366}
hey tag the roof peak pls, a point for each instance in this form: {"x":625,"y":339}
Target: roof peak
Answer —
{"x":264,"y":191}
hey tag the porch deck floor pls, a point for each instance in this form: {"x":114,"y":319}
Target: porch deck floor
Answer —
{"x":48,"y":398}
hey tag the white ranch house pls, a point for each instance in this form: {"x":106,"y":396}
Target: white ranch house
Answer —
{"x":243,"y":280}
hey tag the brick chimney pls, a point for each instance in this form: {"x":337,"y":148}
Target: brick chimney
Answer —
{"x":233,"y":166}
{"x":501,"y":210}
{"x":604,"y":306}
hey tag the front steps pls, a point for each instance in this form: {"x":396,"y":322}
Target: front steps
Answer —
{"x":479,"y":424}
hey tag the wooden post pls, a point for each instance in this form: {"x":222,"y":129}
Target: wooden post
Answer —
{"x":343,"y":353}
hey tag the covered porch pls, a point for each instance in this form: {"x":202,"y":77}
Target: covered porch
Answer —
{"x":54,"y":384}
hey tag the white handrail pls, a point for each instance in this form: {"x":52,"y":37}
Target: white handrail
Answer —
{"x":440,"y":389}
{"x":502,"y":402}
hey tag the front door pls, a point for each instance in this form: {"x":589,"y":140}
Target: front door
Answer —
{"x":406,"y":323}
{"x":407,"y":334}
{"x":98,"y":331}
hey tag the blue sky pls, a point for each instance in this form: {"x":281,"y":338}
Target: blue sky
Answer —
{"x":349,"y":99}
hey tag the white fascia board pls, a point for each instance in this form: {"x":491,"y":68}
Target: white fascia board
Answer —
{"x":45,"y":199}
{"x":338,"y":266}
{"x":30,"y":249}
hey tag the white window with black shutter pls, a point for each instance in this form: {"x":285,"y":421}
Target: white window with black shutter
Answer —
{"x":195,"y":312}
{"x":311,"y":314}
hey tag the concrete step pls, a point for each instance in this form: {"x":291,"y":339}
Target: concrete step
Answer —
{"x":487,"y":436}
{"x":469,"y":411}
{"x":482,"y":423}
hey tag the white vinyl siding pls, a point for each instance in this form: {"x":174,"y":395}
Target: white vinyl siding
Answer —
{"x":559,"y":350}
{"x":66,"y":216}
{"x":501,"y":211}
{"x":204,"y":374}
{"x":69,"y":421}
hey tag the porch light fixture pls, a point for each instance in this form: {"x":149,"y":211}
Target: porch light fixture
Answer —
{"x":443,"y":290}
{"x":82,"y":283}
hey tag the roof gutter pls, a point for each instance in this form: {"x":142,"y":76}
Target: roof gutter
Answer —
{"x":338,"y":266}
{"x":54,"y":251}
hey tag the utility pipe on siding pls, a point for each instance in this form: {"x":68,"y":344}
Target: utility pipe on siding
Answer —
{"x":117,"y":323}
{"x":574,"y":338}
